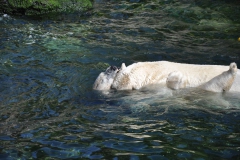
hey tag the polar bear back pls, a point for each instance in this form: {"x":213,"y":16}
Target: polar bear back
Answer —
{"x":140,"y":74}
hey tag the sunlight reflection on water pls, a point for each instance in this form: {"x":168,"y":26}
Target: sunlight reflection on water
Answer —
{"x":48,"y":66}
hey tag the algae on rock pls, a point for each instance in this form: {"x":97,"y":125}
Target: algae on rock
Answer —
{"x":35,"y":7}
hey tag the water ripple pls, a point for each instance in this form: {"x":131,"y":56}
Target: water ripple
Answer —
{"x":48,"y":66}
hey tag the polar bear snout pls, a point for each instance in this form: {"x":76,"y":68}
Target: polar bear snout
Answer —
{"x":114,"y":68}
{"x":111,"y":69}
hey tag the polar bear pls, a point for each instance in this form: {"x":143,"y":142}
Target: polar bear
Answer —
{"x":105,"y":79}
{"x":142,"y":74}
{"x":220,"y":83}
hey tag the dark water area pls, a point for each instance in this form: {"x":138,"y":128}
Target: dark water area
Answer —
{"x":48,"y":109}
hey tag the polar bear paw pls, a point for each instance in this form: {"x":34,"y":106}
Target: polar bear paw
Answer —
{"x":233,"y":68}
{"x":175,"y":80}
{"x":222,"y":82}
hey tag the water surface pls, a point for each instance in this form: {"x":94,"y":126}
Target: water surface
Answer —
{"x":48,"y":65}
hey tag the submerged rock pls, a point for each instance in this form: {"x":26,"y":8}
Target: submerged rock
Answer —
{"x":35,"y":7}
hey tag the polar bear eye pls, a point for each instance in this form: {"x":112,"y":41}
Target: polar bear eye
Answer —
{"x":114,"y":68}
{"x":111,"y":70}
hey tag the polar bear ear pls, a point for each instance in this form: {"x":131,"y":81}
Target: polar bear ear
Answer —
{"x":123,"y":66}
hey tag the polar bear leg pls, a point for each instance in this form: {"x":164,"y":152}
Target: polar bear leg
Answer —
{"x":175,"y":80}
{"x":222,"y":82}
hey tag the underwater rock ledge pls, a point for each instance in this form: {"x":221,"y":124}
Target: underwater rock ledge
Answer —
{"x":36,"y":7}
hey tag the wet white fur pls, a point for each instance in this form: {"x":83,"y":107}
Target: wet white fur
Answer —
{"x":220,"y":83}
{"x":105,"y":80}
{"x":140,"y":74}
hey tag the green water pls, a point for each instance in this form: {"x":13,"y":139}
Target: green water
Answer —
{"x":48,"y":109}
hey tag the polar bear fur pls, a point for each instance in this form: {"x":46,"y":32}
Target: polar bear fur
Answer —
{"x":220,"y":83}
{"x":105,"y":79}
{"x":142,"y":74}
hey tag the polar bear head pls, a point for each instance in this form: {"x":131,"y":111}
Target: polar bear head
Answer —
{"x":105,"y":79}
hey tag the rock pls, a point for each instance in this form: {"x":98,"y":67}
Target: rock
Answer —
{"x":36,"y":7}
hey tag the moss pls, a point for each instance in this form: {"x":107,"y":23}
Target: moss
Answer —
{"x":34,"y":7}
{"x":20,"y":3}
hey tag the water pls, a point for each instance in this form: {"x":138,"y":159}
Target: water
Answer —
{"x":48,"y":109}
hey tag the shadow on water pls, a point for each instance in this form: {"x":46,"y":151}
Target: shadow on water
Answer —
{"x":48,"y":65}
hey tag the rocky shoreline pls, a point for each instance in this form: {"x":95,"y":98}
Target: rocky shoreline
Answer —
{"x":38,"y":7}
